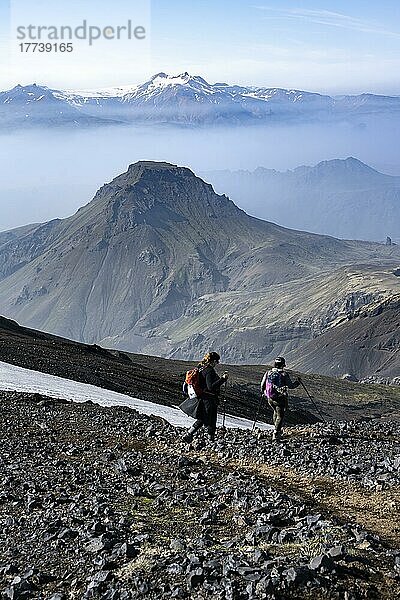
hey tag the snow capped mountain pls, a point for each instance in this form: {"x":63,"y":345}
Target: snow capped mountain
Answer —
{"x":160,"y":82}
{"x":186,"y":99}
{"x":163,"y":85}
{"x":35,"y":105}
{"x":27,"y":94}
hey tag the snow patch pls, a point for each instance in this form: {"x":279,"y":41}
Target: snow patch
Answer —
{"x":19,"y":379}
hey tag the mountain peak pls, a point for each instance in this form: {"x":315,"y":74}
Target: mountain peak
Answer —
{"x":350,"y":166}
{"x":152,"y":164}
{"x":355,"y":163}
{"x":163,"y":80}
{"x":167,"y":79}
{"x":32,"y":90}
{"x":30,"y":86}
{"x":350,"y":161}
{"x":159,"y":192}
{"x":151,"y":168}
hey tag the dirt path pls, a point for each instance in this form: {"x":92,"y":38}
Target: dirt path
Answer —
{"x":377,"y":512}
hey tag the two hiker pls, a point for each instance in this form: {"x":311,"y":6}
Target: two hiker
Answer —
{"x":202,"y":387}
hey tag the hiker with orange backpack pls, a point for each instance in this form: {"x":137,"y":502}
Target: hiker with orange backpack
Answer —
{"x":202,"y":387}
{"x":274,"y":386}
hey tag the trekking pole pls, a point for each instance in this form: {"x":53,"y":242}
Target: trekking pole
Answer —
{"x":257,"y":412}
{"x":313,"y":403}
{"x":224,"y":407}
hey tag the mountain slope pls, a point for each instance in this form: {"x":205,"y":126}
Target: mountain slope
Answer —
{"x":159,"y":380}
{"x":141,"y":265}
{"x":374,"y":351}
{"x":344,"y":198}
{"x":255,"y":326}
{"x":7,"y":236}
{"x":183,"y":99}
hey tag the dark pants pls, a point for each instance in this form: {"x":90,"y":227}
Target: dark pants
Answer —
{"x":210,"y":407}
{"x":279,"y":406}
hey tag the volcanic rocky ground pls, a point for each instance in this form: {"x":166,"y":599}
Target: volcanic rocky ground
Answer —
{"x":107,"y":503}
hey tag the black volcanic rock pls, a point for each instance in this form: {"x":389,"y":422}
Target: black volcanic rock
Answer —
{"x":127,"y":547}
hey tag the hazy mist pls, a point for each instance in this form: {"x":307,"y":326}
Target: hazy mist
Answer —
{"x":47,"y":174}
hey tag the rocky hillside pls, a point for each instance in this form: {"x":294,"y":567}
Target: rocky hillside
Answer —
{"x":106,"y":503}
{"x":374,"y":352}
{"x":252,"y":327}
{"x":344,"y":198}
{"x":159,"y":380}
{"x":159,"y":263}
{"x":13,"y":234}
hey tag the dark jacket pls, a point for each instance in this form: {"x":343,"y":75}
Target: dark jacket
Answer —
{"x":205,"y":408}
{"x":211,"y":382}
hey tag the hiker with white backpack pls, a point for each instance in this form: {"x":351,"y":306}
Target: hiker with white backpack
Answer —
{"x":274,"y":386}
{"x":201,"y":388}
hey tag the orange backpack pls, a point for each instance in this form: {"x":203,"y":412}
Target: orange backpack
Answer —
{"x":192,"y":380}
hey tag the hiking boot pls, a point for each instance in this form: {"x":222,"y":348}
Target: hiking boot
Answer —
{"x":188,"y":437}
{"x":276,"y":436}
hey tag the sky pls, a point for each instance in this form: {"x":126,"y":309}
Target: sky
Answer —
{"x":327,"y":46}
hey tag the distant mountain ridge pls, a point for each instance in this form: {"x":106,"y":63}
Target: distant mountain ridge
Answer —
{"x":159,"y":263}
{"x":344,"y":198}
{"x":39,"y":106}
{"x":182,"y":99}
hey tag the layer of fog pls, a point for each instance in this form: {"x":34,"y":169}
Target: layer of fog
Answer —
{"x":51,"y":173}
